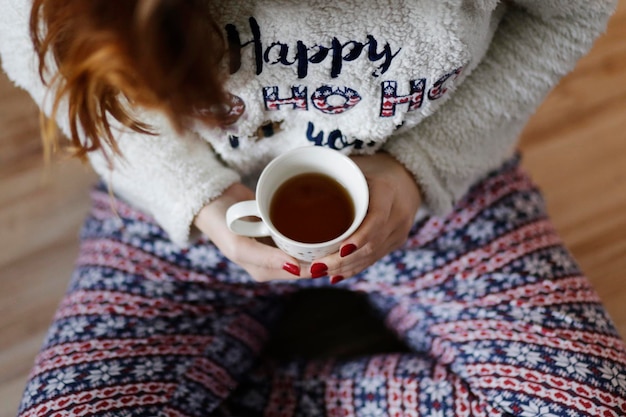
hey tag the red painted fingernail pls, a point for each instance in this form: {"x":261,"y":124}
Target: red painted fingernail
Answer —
{"x":292,"y":269}
{"x":347,"y":250}
{"x":318,"y":270}
{"x":318,"y":267}
{"x":336,"y":279}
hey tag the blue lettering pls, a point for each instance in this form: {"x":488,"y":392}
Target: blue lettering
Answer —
{"x":317,"y":139}
{"x":301,"y":55}
{"x":335,"y":139}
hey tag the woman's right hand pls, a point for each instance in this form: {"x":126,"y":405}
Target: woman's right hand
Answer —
{"x":263,"y":262}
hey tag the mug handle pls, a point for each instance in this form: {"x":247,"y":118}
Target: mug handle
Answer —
{"x":235,"y":222}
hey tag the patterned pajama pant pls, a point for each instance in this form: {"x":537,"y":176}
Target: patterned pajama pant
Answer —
{"x":497,"y":319}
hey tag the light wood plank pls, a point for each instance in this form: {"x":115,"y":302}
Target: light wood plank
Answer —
{"x":30,"y":290}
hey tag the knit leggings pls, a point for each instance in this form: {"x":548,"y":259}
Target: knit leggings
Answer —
{"x":496,"y":316}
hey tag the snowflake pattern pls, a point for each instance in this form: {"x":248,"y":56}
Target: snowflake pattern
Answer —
{"x":189,"y":325}
{"x":534,"y":315}
{"x":572,"y":365}
{"x":517,"y":352}
{"x":422,"y":260}
{"x":58,"y":383}
{"x":482,"y":231}
{"x":104,"y":373}
{"x":538,"y":266}
{"x":381,"y":272}
{"x":533,"y":409}
{"x":203,"y":257}
{"x":616,"y":378}
{"x":597,"y":316}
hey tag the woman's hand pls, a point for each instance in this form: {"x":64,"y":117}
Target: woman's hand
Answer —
{"x":263,"y":262}
{"x":394,"y":201}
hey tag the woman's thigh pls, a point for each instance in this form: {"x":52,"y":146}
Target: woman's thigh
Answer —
{"x":146,"y":328}
{"x":492,"y":293}
{"x":497,"y":315}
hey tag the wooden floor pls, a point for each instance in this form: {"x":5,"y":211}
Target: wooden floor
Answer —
{"x":575,"y":147}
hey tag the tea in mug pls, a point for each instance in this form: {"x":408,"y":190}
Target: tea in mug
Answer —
{"x":311,"y":208}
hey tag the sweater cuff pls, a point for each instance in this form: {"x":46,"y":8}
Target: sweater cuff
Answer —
{"x":177,"y":220}
{"x":438,"y":200}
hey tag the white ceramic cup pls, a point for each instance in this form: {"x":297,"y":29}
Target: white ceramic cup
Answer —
{"x":309,"y":159}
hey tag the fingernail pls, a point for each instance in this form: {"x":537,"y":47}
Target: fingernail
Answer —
{"x":336,"y":279}
{"x":318,"y":270}
{"x":292,"y":269}
{"x":347,"y":250}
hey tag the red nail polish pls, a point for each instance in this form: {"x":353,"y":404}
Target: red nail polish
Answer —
{"x":292,"y":269}
{"x":318,"y":270}
{"x":336,"y":279}
{"x":347,"y":250}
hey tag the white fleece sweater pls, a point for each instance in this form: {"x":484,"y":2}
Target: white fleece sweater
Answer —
{"x":445,"y":86}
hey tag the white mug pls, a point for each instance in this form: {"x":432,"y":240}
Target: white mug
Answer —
{"x":309,"y":159}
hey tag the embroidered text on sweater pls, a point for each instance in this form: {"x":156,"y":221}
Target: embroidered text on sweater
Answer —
{"x":302,"y":55}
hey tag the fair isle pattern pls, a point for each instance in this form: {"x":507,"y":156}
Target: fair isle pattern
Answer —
{"x":498,"y":316}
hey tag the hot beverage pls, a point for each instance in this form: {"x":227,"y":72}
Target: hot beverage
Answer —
{"x":311,"y":208}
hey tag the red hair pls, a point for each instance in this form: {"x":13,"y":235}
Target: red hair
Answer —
{"x":112,"y":55}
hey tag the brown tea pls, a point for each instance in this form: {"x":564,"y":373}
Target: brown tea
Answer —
{"x":311,"y":208}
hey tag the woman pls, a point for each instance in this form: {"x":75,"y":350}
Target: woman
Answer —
{"x":178,"y":105}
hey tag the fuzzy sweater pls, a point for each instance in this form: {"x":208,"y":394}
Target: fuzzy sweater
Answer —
{"x":445,"y":86}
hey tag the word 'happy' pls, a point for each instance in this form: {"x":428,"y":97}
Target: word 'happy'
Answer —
{"x":301,"y":55}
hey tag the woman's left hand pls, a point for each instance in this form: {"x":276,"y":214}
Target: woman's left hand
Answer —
{"x":394,"y":201}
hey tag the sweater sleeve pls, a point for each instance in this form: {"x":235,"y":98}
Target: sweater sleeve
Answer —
{"x":170,"y":176}
{"x":535,"y":44}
